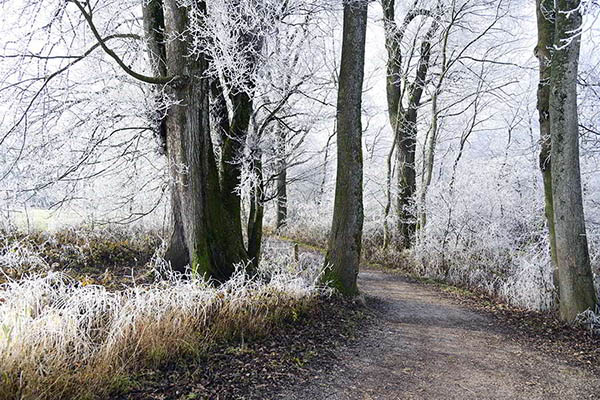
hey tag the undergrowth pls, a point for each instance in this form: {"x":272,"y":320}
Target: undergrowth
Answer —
{"x":80,"y":250}
{"x":504,"y":256}
{"x":61,"y":338}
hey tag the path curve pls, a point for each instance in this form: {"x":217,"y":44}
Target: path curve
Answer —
{"x":428,"y":346}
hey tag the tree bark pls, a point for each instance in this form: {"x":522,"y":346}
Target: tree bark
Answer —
{"x":154,"y":28}
{"x":431,"y":140}
{"x":233,"y":143}
{"x":406,"y":139}
{"x":545,"y":24}
{"x":577,"y":292}
{"x":202,"y":225}
{"x":404,"y":120}
{"x":255,"y":218}
{"x":281,"y":178}
{"x":344,"y":248}
{"x":393,"y":41}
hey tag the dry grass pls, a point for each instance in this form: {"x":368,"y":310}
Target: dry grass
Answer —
{"x":63,"y":339}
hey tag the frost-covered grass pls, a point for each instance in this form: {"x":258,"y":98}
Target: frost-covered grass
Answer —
{"x":60,"y":338}
{"x":80,"y":250}
{"x":497,"y":244}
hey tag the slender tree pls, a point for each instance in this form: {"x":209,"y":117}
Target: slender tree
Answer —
{"x":282,"y":204}
{"x":403,"y":118}
{"x":576,"y":284}
{"x":343,"y":252}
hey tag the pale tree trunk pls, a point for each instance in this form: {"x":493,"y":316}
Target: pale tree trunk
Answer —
{"x":202,"y":234}
{"x":545,"y":24}
{"x":576,"y":285}
{"x":325,"y":164}
{"x":344,"y":248}
{"x":387,"y":235}
{"x":428,"y":159}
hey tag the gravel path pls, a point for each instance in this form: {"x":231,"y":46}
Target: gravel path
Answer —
{"x":427,"y":346}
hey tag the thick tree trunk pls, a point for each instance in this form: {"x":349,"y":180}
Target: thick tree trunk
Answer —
{"x":231,"y":156}
{"x":202,"y":225}
{"x":577,"y":292}
{"x":545,"y":24}
{"x":343,"y":253}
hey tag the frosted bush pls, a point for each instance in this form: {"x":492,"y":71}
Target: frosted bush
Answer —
{"x":590,"y":320}
{"x":18,"y":257}
{"x":529,"y":284}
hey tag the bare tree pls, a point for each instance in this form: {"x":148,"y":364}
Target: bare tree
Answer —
{"x":204,"y":233}
{"x":543,"y":51}
{"x":403,"y":118}
{"x":343,"y":252}
{"x":576,"y":284}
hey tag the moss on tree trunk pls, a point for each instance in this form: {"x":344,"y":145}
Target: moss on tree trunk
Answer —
{"x":344,"y":248}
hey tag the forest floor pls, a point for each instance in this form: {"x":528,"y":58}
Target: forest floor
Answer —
{"x":404,"y":338}
{"x":409,"y":340}
{"x":431,"y":343}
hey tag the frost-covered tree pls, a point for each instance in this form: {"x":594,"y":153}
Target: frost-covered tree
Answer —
{"x":203,"y":62}
{"x":575,"y":278}
{"x":343,"y":252}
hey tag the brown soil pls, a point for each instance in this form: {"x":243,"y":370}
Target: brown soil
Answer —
{"x":257,"y":368}
{"x":427,"y":345}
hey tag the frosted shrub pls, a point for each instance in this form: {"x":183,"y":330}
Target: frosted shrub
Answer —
{"x":59,"y":338}
{"x":489,"y":237}
{"x":529,"y":284}
{"x":590,"y":320}
{"x":18,"y":257}
{"x":309,"y":222}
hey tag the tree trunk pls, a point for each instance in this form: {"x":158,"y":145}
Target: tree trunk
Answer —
{"x":233,"y":143}
{"x":343,"y":254}
{"x":404,"y":120}
{"x":255,"y":218}
{"x":545,"y":24}
{"x":154,"y":28}
{"x":429,"y":158}
{"x":387,"y":235}
{"x":406,"y":139}
{"x":393,"y":42}
{"x":201,"y":224}
{"x":577,"y":292}
{"x":281,"y":178}
{"x":406,"y":178}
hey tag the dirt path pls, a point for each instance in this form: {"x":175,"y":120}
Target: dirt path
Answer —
{"x":426,"y":346}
